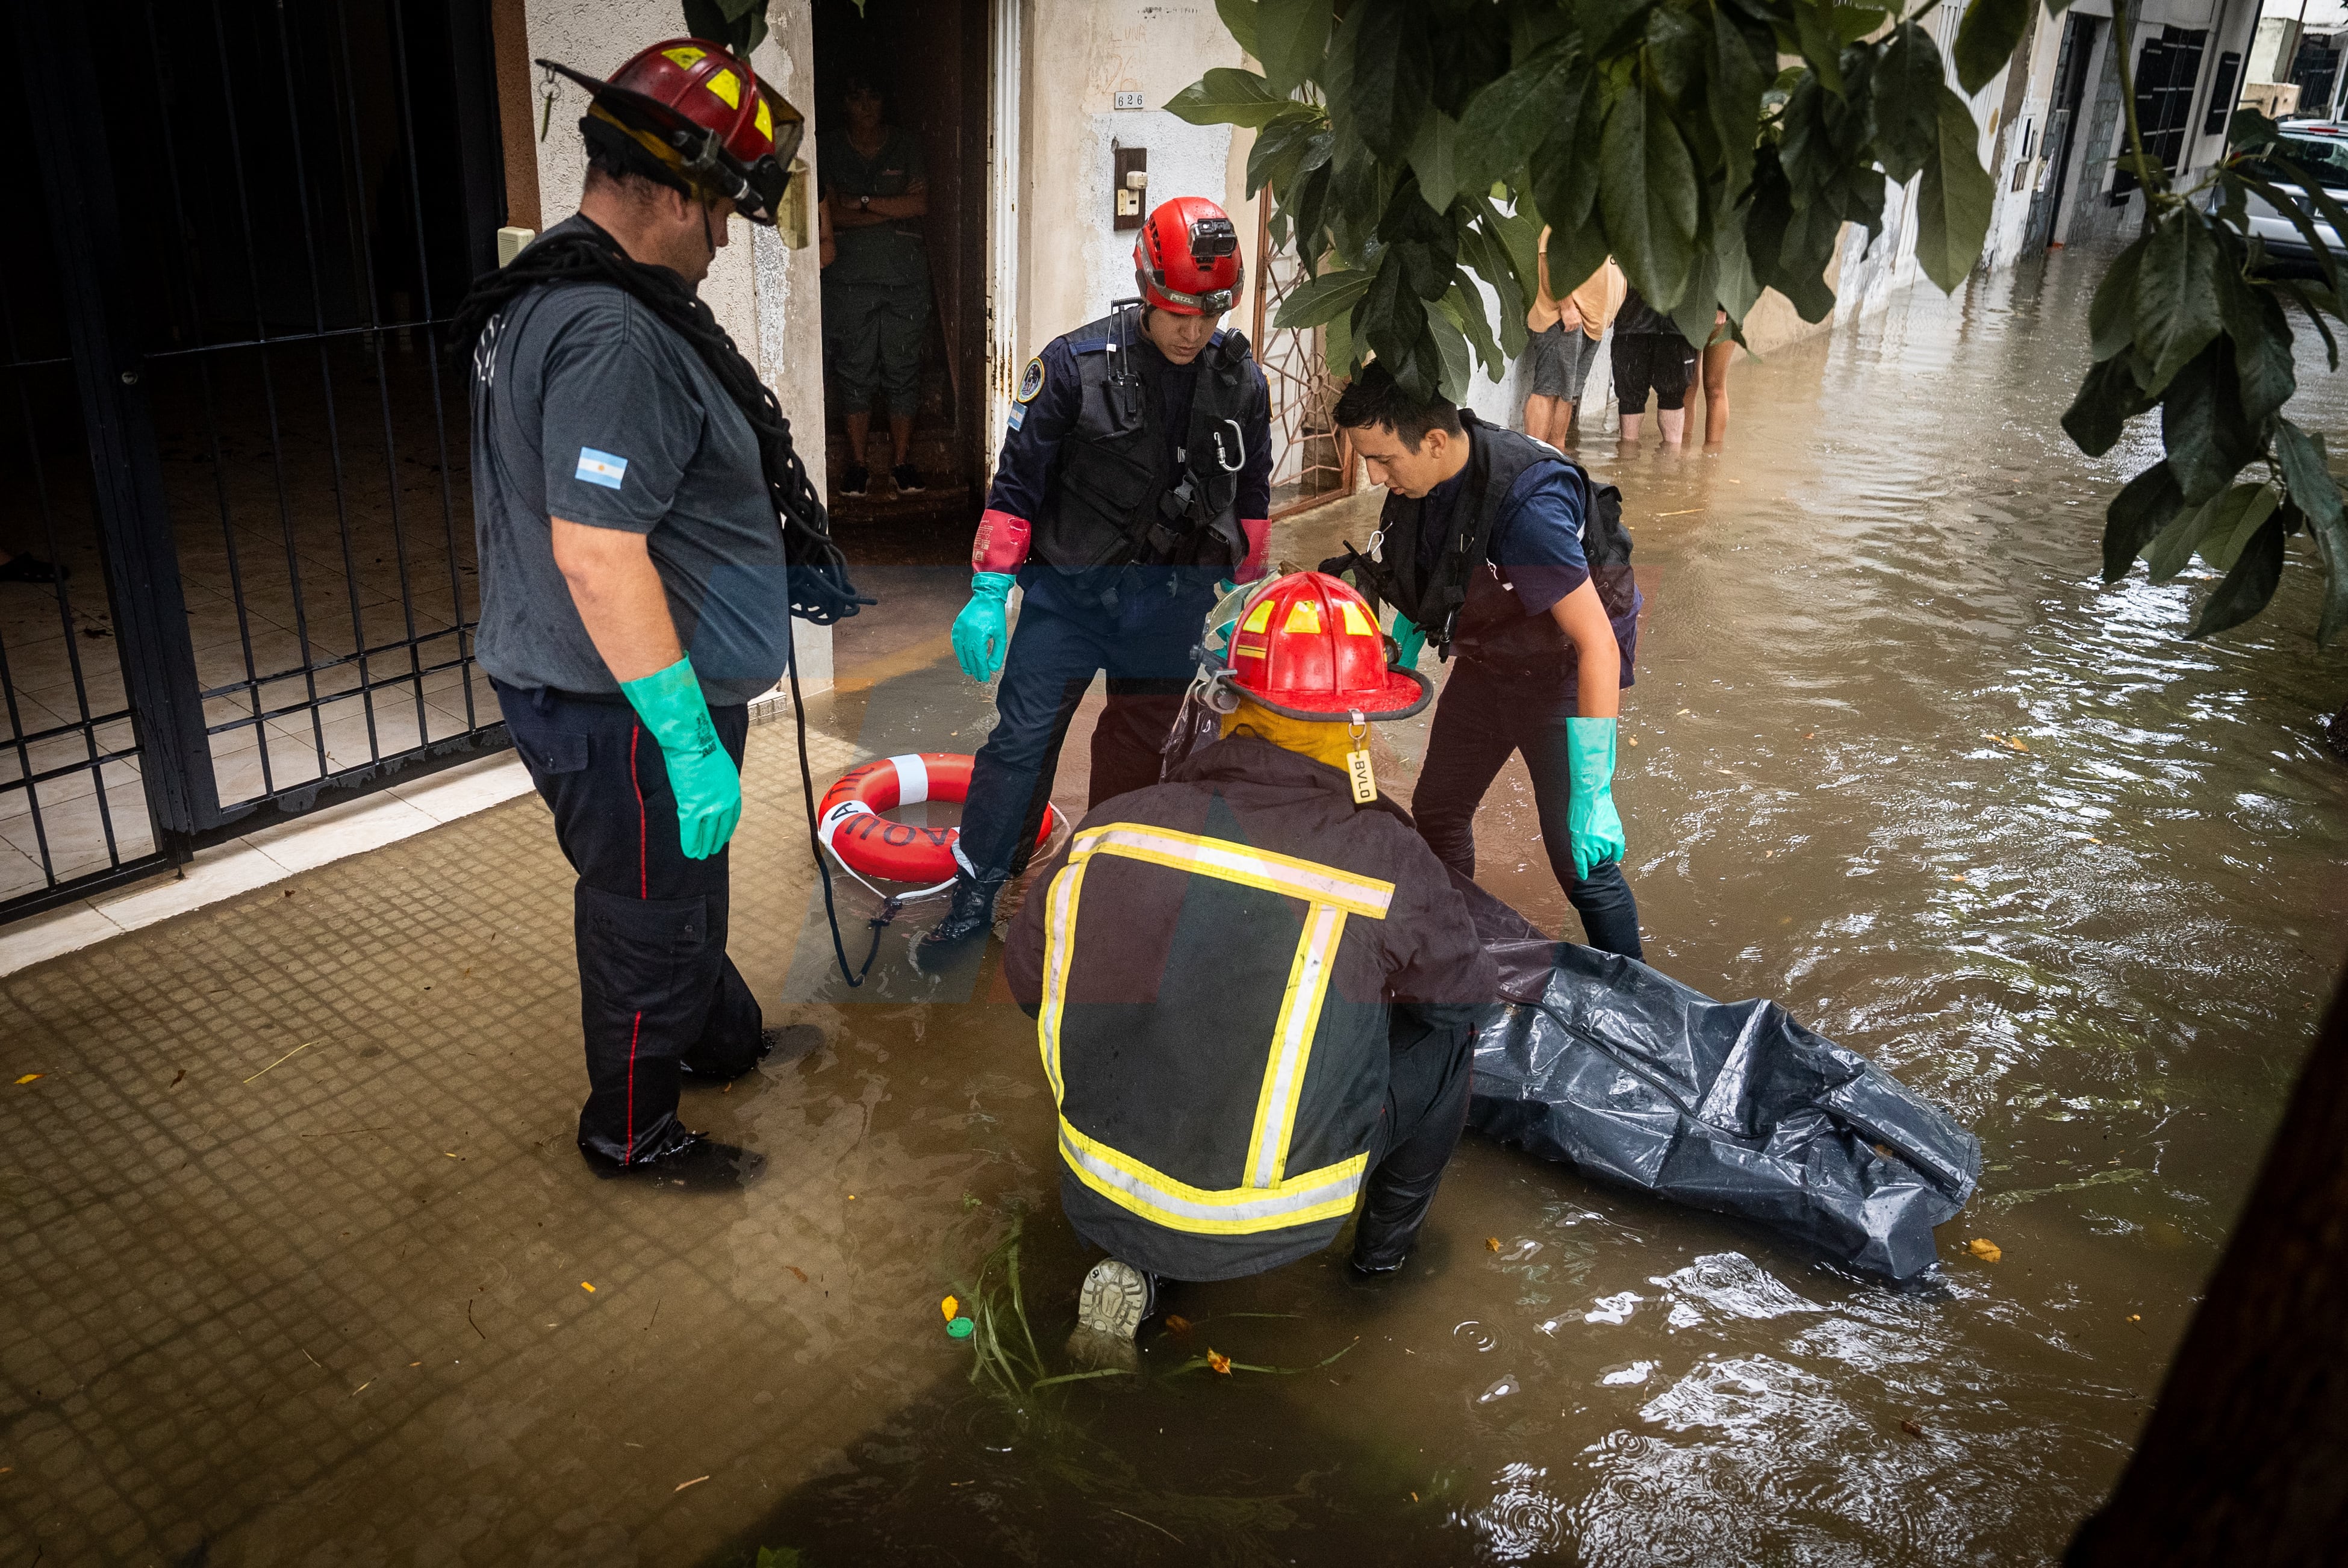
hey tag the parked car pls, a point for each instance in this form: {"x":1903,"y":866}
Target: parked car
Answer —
{"x":2321,"y":147}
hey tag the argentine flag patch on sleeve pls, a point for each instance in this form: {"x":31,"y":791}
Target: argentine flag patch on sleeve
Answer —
{"x":601,"y":469}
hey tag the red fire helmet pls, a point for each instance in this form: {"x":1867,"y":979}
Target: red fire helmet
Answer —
{"x":702,"y":117}
{"x":1307,"y":646}
{"x":1188,"y":258}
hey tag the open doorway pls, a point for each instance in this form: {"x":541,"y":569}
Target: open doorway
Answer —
{"x":900,"y":129}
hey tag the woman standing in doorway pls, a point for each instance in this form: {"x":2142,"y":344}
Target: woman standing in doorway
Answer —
{"x":876,"y":288}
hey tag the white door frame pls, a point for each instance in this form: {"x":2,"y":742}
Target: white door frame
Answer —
{"x":1003,"y":134}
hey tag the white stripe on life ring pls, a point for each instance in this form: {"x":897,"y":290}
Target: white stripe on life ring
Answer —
{"x":912,"y":779}
{"x":839,"y":814}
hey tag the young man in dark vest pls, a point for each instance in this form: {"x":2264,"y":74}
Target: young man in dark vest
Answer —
{"x":1134,"y":485}
{"x":1487,"y":547}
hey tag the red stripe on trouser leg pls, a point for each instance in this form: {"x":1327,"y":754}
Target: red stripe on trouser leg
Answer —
{"x":643,"y":878}
{"x":635,"y":1033}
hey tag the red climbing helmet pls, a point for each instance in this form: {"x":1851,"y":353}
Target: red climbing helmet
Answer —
{"x":1307,"y":646}
{"x":691,"y":116}
{"x":1188,"y":258}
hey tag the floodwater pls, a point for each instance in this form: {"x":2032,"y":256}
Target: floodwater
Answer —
{"x":1896,"y":758}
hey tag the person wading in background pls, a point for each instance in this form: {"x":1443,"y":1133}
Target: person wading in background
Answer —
{"x":1649,"y":356}
{"x":1256,"y":989}
{"x":1487,"y":545}
{"x":1567,"y":332}
{"x":1135,"y":484}
{"x":629,"y":471}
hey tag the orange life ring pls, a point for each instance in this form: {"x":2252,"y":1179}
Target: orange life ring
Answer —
{"x":850,"y":825}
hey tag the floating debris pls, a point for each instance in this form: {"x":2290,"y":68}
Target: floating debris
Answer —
{"x":1981,"y":1247}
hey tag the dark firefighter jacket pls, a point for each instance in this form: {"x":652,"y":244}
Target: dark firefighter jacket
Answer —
{"x":1116,"y":457}
{"x":1213,"y":959}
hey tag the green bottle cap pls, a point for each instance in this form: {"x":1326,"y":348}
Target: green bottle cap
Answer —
{"x":960,"y":1328}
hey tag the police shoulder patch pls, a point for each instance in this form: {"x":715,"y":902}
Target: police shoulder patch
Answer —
{"x":1032,"y":382}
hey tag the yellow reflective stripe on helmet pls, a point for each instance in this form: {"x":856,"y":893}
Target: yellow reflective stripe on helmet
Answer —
{"x":1291,"y":1045}
{"x":686,"y":56}
{"x":1307,"y":880}
{"x":725,"y":87}
{"x":1324,"y":1194}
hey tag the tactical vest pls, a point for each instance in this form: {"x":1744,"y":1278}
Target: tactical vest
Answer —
{"x":1119,"y":499}
{"x":1465,"y":606}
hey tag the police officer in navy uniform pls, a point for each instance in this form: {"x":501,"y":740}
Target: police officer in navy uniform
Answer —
{"x":1134,"y":486}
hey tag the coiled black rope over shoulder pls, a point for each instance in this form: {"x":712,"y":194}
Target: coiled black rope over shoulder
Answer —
{"x":817,"y":571}
{"x":821,"y":590}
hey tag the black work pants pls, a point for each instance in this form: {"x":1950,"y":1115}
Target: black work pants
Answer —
{"x":1481,"y":717}
{"x":655,"y":987}
{"x":1064,"y":639}
{"x":1427,"y":1075}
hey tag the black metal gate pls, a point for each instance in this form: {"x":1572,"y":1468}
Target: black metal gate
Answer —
{"x":229,"y":414}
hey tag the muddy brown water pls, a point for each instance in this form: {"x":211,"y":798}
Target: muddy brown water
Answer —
{"x":1900,"y":762}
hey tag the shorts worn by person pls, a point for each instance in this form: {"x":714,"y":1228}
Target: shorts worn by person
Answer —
{"x":1651,"y":356}
{"x":876,"y":287}
{"x":1484,"y":548}
{"x":1133,"y":481}
{"x":1562,"y":360}
{"x":1256,"y":988}
{"x":625,"y":519}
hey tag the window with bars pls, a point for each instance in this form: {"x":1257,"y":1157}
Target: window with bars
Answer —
{"x":2168,"y":69}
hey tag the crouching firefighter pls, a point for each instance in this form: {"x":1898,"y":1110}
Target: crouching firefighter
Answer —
{"x":1256,"y":988}
{"x":646,"y":533}
{"x":1132,"y":490}
{"x":1500,"y":551}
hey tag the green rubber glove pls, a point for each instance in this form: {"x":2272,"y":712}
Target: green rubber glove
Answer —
{"x":1590,"y":814}
{"x":1411,"y":639}
{"x":703,"y":777}
{"x":979,"y":638}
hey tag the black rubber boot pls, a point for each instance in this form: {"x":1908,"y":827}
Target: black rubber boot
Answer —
{"x":972,"y":914}
{"x":693,"y":1163}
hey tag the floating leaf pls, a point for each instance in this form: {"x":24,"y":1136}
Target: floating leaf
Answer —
{"x":1177,"y":1323}
{"x":1981,"y":1247}
{"x":29,"y":1078}
{"x":950,"y":1306}
{"x":1217,"y":1362}
{"x":1492,"y":1244}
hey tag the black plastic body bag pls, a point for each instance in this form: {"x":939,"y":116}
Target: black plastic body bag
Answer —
{"x":1629,"y":1075}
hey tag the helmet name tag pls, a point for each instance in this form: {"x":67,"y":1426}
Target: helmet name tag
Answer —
{"x":1364,"y":779}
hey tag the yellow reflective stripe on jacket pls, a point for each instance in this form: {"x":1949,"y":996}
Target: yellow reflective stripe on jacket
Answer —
{"x":1292,"y":1042}
{"x":1268,"y":1197}
{"x":1324,"y":1194}
{"x":1238,"y":864}
{"x":1060,"y":927}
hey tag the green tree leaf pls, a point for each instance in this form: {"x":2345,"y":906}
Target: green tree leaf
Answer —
{"x":1986,"y":39}
{"x":1953,"y":199}
{"x":1290,"y":38}
{"x":2109,"y":398}
{"x":1606,"y":25}
{"x":1647,"y":193}
{"x":2146,"y":505}
{"x":2202,"y":424}
{"x":1229,"y":96}
{"x":2176,"y":295}
{"x":1390,"y":80}
{"x":1907,"y":103}
{"x":2241,"y":510}
{"x":2249,"y":585}
{"x":2261,"y":335}
{"x":1287,"y":148}
{"x":1565,"y":167}
{"x":1732,"y":98}
{"x":2111,"y":318}
{"x":1465,"y":304}
{"x":1451,"y":346}
{"x":1507,"y":119}
{"x":2173,"y":547}
{"x":2307,"y":476}
{"x":1814,"y":30}
{"x":1238,"y":19}
{"x":1318,"y":301}
{"x":1434,"y":158}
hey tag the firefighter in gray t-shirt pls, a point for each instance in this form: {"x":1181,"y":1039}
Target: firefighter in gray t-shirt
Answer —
{"x":634,"y":589}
